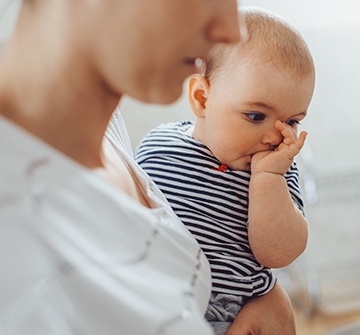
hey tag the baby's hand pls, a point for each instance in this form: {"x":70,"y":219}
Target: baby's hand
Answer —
{"x":279,"y":160}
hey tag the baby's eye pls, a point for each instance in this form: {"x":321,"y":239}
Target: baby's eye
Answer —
{"x":255,"y":117}
{"x":293,"y":123}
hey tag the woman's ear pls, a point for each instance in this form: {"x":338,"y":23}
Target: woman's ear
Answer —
{"x":197,"y":94}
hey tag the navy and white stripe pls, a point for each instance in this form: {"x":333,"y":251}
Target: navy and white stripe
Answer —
{"x":212,"y":204}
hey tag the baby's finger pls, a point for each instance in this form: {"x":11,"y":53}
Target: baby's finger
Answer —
{"x":287,"y":132}
{"x":302,"y":137}
{"x":301,"y":140}
{"x":295,"y":148}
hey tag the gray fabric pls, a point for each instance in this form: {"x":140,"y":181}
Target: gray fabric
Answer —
{"x":222,"y":311}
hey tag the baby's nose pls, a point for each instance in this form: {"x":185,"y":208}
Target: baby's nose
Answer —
{"x":273,"y":137}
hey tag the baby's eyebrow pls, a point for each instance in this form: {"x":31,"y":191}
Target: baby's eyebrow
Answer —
{"x":262,"y":105}
{"x":301,"y":114}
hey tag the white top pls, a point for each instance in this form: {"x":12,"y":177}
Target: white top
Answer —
{"x":79,"y":256}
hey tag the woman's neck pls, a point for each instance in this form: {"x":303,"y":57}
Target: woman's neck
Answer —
{"x":69,"y":109}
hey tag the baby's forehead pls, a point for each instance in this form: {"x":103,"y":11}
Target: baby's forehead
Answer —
{"x":237,"y":58}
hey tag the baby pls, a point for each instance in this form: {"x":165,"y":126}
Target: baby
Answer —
{"x":231,"y":175}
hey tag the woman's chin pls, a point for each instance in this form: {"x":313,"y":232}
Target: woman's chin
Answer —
{"x":161,"y":95}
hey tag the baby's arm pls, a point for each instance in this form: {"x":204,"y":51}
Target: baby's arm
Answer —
{"x":278,"y":230}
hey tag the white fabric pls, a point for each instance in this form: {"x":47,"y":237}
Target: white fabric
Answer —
{"x":79,"y":256}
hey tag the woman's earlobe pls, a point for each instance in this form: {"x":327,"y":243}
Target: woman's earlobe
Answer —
{"x":197,"y":94}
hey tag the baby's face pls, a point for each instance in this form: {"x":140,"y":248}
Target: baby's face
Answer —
{"x":242,"y":108}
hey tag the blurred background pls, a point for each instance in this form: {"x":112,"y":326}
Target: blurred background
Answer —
{"x":324,"y":283}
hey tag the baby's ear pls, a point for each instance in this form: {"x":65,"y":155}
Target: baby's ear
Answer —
{"x":197,"y":94}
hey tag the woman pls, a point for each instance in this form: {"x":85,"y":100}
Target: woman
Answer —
{"x":88,"y":245}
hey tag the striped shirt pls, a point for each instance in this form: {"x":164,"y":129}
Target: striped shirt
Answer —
{"x":212,"y":204}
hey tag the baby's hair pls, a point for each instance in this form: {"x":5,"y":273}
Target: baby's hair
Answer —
{"x":268,"y":39}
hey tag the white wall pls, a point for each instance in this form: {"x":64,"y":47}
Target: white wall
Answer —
{"x":8,"y":11}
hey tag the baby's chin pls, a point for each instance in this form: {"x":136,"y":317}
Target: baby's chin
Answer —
{"x":244,"y":164}
{"x":241,"y":166}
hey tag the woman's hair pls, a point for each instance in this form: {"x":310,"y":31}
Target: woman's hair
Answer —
{"x":268,"y":39}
